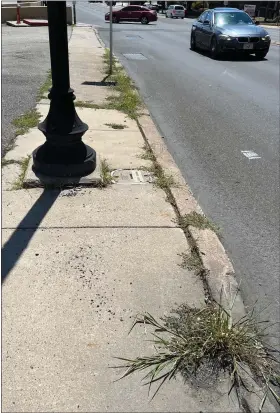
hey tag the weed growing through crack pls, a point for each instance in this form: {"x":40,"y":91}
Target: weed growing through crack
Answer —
{"x":28,"y":120}
{"x":193,"y":340}
{"x":197,"y":220}
{"x":115,"y":125}
{"x":191,"y":261}
{"x":163,"y":181}
{"x":6,"y":162}
{"x":19,"y":182}
{"x":148,"y":154}
{"x":44,"y":89}
{"x":83,"y":104}
{"x":128,"y":100}
{"x":105,"y":173}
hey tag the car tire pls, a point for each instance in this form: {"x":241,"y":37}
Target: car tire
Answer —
{"x":261,"y":55}
{"x":144,"y":20}
{"x":182,"y":18}
{"x":214,"y":48}
{"x":193,"y":42}
{"x":115,"y":19}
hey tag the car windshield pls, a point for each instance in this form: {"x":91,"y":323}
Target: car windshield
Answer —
{"x":224,"y":18}
{"x":179,"y":8}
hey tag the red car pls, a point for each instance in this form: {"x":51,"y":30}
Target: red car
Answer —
{"x":133,"y":14}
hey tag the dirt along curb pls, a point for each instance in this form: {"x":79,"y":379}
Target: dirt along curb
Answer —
{"x":215,"y":269}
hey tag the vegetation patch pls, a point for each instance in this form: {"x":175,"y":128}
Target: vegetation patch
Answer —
{"x":194,"y":341}
{"x":45,"y":86}
{"x":19,"y":182}
{"x":115,"y":125}
{"x":105,"y":173}
{"x":148,"y":154}
{"x":128,"y":100}
{"x":6,"y":162}
{"x":83,"y":104}
{"x":191,"y":261}
{"x":28,"y":120}
{"x":197,"y":220}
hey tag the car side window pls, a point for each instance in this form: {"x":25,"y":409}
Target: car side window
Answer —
{"x":126,"y":9}
{"x":170,"y":7}
{"x":210,"y":17}
{"x":132,"y":8}
{"x":207,"y":16}
{"x":202,"y":17}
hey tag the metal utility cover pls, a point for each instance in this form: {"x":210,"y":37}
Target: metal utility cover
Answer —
{"x":134,"y":56}
{"x":132,"y":176}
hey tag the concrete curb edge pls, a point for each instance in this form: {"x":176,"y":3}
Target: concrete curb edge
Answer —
{"x":217,"y":267}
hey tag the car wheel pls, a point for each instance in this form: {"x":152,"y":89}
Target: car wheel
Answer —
{"x":182,"y":17}
{"x":115,"y":19}
{"x":193,"y":42}
{"x":166,"y":16}
{"x":214,"y":48}
{"x":261,"y":55}
{"x":144,"y":20}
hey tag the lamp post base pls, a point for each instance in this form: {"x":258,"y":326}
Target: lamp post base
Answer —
{"x":74,"y":161}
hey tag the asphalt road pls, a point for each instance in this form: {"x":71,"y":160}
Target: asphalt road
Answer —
{"x":25,"y":62}
{"x":208,"y":113}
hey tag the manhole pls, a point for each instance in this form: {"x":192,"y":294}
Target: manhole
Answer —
{"x":134,"y":56}
{"x":132,"y":176}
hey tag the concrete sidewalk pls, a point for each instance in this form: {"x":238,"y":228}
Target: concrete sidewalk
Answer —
{"x":79,"y":264}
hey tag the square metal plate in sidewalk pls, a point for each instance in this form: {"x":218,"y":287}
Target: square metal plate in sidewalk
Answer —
{"x":134,"y":56}
{"x":34,"y":180}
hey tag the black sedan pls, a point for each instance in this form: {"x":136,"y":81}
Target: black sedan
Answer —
{"x":225,"y":29}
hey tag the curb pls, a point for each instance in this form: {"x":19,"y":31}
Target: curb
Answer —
{"x":216,"y":264}
{"x":217,"y":270}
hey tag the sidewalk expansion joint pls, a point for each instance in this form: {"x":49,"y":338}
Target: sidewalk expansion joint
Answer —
{"x":95,"y":226}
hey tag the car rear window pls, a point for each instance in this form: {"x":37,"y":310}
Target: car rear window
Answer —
{"x":179,"y":8}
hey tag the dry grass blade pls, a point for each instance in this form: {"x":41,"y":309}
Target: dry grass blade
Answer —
{"x":191,"y":339}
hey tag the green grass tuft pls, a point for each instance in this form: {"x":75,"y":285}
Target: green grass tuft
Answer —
{"x":6,"y":162}
{"x":83,"y":104}
{"x":28,"y":120}
{"x":116,"y":125}
{"x":128,"y":101}
{"x":192,"y":341}
{"x":197,"y":220}
{"x":45,"y":86}
{"x":105,"y":173}
{"x":23,"y":164}
{"x":191,"y":261}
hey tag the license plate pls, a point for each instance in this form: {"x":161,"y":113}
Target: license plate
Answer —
{"x":248,"y":46}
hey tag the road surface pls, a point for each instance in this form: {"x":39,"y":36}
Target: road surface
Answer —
{"x":25,"y":62}
{"x":209,"y":112}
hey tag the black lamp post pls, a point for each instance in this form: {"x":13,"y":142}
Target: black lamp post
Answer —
{"x":63,"y":154}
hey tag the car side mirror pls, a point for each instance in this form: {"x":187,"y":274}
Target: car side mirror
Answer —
{"x":206,"y":22}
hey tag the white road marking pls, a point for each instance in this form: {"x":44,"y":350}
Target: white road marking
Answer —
{"x":251,"y":155}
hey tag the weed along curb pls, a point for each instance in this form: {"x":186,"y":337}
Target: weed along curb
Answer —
{"x":208,"y":257}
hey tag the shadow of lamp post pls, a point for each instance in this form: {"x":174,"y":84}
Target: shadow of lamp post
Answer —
{"x":63,"y":154}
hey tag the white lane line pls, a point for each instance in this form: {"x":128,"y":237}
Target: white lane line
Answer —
{"x":251,"y":155}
